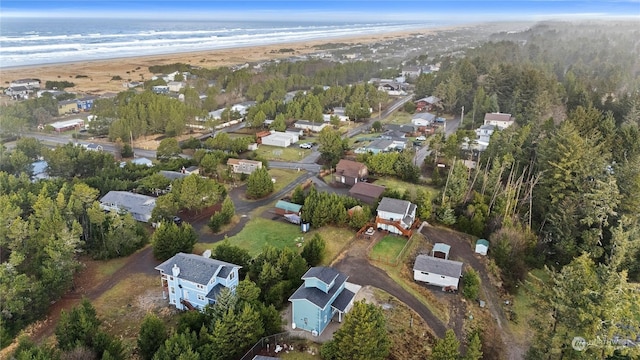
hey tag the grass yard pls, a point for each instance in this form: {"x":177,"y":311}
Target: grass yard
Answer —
{"x":291,"y":153}
{"x":283,"y":177}
{"x":259,"y":232}
{"x":402,"y":186}
{"x":388,"y":248}
{"x":106,"y":268}
{"x":398,"y":117}
{"x":402,"y":274}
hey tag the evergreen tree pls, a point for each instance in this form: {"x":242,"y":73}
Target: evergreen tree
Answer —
{"x":298,"y":195}
{"x":259,"y":184}
{"x":168,"y":148}
{"x":470,"y":284}
{"x":170,"y":239}
{"x":313,"y":251}
{"x":152,"y":335}
{"x":474,"y":349}
{"x":363,"y":335}
{"x":447,"y":347}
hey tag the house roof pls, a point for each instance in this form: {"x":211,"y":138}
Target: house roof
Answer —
{"x":343,"y":300}
{"x":482,"y":242}
{"x":380,"y":144}
{"x":233,"y":161}
{"x":438,"y":266}
{"x":401,"y":129}
{"x":349,"y":168}
{"x":173,"y":175}
{"x":441,"y":247}
{"x":215,"y":291}
{"x":366,"y":189}
{"x":424,"y":116}
{"x":133,"y":203}
{"x":284,"y":205}
{"x":395,"y":206}
{"x":196,"y":268}
{"x":315,"y":295}
{"x":497,"y":117}
{"x":487,"y":127}
{"x":322,"y":273}
{"x":310,"y":123}
{"x":432,"y":99}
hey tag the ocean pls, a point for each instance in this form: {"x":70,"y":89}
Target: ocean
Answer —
{"x":25,"y":42}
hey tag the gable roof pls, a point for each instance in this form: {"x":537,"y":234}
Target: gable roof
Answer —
{"x":366,"y":189}
{"x":438,"y":266}
{"x":441,"y":247}
{"x":349,"y":168}
{"x":234,"y":161}
{"x":395,"y":206}
{"x":380,"y":144}
{"x":482,"y":242}
{"x":132,"y":202}
{"x":322,"y":273}
{"x":497,"y":117}
{"x":315,"y":295}
{"x":173,"y":175}
{"x":196,"y":268}
{"x":288,"y":206}
{"x":424,"y":116}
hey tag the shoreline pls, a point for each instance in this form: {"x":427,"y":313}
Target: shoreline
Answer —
{"x":96,"y":75}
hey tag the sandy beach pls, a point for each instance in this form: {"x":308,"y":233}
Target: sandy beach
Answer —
{"x":96,"y":76}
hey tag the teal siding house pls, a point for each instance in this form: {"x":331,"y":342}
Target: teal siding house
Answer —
{"x":194,"y":281}
{"x":319,"y":299}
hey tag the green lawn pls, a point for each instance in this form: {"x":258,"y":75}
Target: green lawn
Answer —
{"x":260,"y":232}
{"x":402,"y":186}
{"x":388,"y":247}
{"x":291,"y":153}
{"x":283,"y":177}
{"x":398,"y":117}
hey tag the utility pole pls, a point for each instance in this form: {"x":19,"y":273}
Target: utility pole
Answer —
{"x":131,"y":139}
{"x":462,"y":116}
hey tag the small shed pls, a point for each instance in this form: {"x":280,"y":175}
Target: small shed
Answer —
{"x":482,"y":246}
{"x":284,"y":207}
{"x":440,"y":250}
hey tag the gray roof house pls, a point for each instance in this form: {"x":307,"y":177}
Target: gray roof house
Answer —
{"x":322,"y":295}
{"x":423,"y":119}
{"x":138,"y":205}
{"x":396,"y":216}
{"x":194,"y":281}
{"x":436,"y":271}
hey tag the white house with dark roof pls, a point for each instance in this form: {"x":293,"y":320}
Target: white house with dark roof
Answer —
{"x":436,"y":271}
{"x":501,"y":120}
{"x":194,"y":281}
{"x":396,"y":216}
{"x":138,"y":205}
{"x":324,"y":294}
{"x":423,"y":119}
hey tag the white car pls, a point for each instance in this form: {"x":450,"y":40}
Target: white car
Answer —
{"x":306,"y":146}
{"x":421,"y":138}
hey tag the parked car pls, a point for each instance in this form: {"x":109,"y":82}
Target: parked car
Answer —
{"x":306,"y":146}
{"x":421,"y":138}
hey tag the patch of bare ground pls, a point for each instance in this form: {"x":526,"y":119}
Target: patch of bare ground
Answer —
{"x":411,"y":338}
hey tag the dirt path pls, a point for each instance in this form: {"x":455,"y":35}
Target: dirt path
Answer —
{"x":461,"y":250}
{"x":354,"y":263}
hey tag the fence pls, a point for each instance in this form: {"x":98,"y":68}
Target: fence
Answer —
{"x":267,"y":345}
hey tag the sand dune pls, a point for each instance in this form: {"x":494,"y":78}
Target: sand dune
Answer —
{"x":96,"y":76}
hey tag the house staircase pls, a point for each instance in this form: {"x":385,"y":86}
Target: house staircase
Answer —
{"x":188,"y":305}
{"x":397,"y":225}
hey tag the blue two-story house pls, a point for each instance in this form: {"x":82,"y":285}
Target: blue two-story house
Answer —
{"x":319,"y":298}
{"x":194,"y":281}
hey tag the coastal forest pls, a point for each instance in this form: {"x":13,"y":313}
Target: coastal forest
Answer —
{"x":557,"y":193}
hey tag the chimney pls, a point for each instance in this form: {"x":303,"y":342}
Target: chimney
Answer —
{"x":175,"y":270}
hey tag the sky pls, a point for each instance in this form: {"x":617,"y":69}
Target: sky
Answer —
{"x":330,"y":10}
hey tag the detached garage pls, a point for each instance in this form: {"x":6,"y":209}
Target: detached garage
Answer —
{"x":436,"y":271}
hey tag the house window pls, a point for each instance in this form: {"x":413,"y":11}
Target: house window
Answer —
{"x":200,"y":286}
{"x":232,"y":275}
{"x":170,"y":278}
{"x":173,"y":290}
{"x":200,"y":297}
{"x":442,"y":276}
{"x":424,"y":273}
{"x":306,"y":321}
{"x":325,"y":318}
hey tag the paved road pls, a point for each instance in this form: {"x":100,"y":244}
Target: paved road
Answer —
{"x":450,"y":127}
{"x":355,"y":264}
